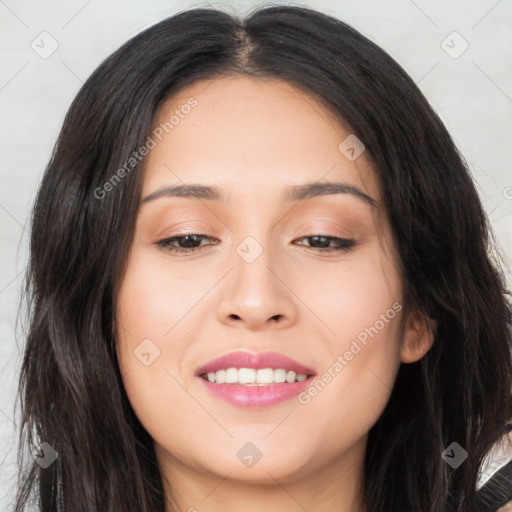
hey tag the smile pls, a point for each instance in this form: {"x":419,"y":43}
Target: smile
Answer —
{"x":253,"y":377}
{"x":258,"y":380}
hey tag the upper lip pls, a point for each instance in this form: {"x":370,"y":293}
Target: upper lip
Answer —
{"x":243,"y":359}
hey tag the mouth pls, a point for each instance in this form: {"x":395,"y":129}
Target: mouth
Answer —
{"x":255,"y":380}
{"x":254,"y":377}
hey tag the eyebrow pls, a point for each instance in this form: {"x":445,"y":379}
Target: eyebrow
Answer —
{"x":292,"y":193}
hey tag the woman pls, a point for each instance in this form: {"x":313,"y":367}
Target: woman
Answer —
{"x":260,"y":276}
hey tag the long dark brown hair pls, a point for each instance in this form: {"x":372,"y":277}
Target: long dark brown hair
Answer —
{"x":71,"y":392}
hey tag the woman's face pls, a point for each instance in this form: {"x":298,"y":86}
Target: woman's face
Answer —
{"x":258,"y":281}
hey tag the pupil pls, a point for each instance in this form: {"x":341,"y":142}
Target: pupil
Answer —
{"x":326,"y":242}
{"x":189,"y":240}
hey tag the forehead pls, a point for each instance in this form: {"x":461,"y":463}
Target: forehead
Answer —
{"x":251,"y":135}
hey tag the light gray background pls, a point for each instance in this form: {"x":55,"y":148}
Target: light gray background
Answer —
{"x":472,"y":94}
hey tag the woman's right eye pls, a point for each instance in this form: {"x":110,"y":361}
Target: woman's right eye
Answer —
{"x":183,"y":243}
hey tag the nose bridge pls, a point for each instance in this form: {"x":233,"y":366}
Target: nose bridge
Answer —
{"x":255,"y":240}
{"x":253,"y":263}
{"x":255,"y":293}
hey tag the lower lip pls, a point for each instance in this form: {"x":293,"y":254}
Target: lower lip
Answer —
{"x":256,"y":396}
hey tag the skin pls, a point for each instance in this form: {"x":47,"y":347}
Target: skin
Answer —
{"x":253,"y":137}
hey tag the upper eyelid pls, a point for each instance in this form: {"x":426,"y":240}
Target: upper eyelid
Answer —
{"x":308,"y":235}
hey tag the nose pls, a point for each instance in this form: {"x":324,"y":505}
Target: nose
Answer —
{"x":258,"y":295}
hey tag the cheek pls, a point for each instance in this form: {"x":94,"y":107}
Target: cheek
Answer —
{"x":354,"y":387}
{"x":151,"y":310}
{"x":155,"y":299}
{"x":360,"y":305}
{"x":350,"y":295}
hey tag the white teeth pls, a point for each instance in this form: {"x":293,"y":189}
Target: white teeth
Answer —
{"x":290,"y":376}
{"x":279,"y":376}
{"x":252,"y":377}
{"x":246,"y":376}
{"x":231,"y":376}
{"x":265,"y":376}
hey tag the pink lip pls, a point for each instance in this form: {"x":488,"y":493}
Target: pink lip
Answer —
{"x":262,"y":360}
{"x":255,"y":396}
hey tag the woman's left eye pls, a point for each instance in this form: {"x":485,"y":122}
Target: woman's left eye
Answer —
{"x":323,"y":243}
{"x":191,"y":242}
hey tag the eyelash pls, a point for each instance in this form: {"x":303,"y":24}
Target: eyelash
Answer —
{"x":344,"y":244}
